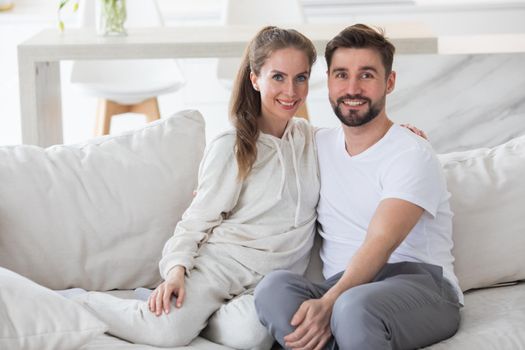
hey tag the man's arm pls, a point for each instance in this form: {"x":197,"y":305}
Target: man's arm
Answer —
{"x":392,"y":222}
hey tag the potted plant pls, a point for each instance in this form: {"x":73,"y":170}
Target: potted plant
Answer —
{"x":111,"y":20}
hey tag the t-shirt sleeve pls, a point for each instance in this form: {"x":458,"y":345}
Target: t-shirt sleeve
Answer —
{"x":415,"y":176}
{"x":217,"y":193}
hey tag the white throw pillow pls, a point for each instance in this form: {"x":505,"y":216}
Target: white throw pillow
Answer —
{"x":34,"y":317}
{"x":96,"y":215}
{"x":488,"y":201}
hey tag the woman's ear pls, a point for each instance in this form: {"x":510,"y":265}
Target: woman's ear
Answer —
{"x":253,"y":79}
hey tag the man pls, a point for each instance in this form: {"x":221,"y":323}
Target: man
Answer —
{"x":384,"y":217}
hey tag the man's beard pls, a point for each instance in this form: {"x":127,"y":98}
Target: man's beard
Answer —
{"x":353,"y":118}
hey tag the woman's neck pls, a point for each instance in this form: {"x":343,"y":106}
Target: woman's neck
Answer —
{"x":274,"y":128}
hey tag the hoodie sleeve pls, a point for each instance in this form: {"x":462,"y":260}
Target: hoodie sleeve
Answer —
{"x":217,"y":193}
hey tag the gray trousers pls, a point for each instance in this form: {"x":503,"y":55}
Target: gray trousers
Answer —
{"x":406,"y":306}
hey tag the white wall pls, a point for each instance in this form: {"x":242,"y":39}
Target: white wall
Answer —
{"x":444,"y":17}
{"x":203,"y":91}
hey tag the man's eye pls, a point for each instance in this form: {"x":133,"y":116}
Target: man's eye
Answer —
{"x":366,"y":76}
{"x":341,"y":75}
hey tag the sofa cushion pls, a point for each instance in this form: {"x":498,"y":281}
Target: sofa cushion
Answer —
{"x":492,"y":318}
{"x":96,"y":215}
{"x":34,"y":317}
{"x":488,"y":201}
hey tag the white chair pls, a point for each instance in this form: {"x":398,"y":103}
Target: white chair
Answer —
{"x":284,"y":13}
{"x":126,"y":86}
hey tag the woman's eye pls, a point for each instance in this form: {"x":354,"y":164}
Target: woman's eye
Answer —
{"x":278,"y":77}
{"x":302,"y":78}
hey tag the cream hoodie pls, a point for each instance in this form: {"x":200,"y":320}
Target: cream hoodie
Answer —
{"x":265,"y":222}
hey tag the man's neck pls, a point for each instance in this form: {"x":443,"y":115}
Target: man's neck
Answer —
{"x":359,"y":138}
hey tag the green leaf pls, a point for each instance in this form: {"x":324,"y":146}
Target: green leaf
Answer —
{"x":62,"y":4}
{"x":61,"y":26}
{"x":75,"y":7}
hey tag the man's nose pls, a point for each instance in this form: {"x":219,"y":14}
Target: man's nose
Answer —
{"x":353,"y":86}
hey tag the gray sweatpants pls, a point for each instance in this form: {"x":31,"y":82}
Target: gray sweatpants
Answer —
{"x":407,"y":305}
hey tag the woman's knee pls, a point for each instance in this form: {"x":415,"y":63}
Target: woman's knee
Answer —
{"x":236,"y":325}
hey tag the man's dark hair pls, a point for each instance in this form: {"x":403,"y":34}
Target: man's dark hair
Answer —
{"x":361,"y":36}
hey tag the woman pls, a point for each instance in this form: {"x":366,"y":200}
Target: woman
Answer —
{"x":254,"y":210}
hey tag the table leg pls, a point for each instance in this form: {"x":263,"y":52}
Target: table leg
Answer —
{"x":40,"y":102}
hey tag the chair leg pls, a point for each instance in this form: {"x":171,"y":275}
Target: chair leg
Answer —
{"x":105,"y":111}
{"x":303,"y":112}
{"x":149,"y":107}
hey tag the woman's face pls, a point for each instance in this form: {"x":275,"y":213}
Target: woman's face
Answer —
{"x":283,"y":84}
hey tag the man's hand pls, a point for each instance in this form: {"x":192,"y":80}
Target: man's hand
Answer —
{"x":313,"y":325}
{"x":160,"y":298}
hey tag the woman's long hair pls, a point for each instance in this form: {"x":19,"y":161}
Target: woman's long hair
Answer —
{"x":245,"y":103}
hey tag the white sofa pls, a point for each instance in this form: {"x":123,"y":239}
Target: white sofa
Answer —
{"x":96,"y":215}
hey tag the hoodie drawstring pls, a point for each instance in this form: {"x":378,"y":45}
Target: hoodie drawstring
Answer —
{"x":289,"y":137}
{"x":297,"y":182}
{"x":283,"y":169}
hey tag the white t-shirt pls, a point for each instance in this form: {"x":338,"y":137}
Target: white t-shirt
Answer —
{"x":400,"y":165}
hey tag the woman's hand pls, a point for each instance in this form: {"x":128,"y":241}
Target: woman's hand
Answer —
{"x":160,"y":298}
{"x":415,"y":130}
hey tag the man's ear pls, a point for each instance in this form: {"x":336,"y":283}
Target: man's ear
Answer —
{"x":391,"y":82}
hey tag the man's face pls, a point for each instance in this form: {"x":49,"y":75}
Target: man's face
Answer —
{"x":357,"y":86}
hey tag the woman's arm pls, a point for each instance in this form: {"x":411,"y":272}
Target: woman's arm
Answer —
{"x":217,"y":193}
{"x":415,"y":130}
